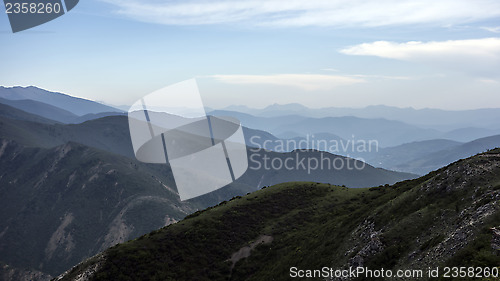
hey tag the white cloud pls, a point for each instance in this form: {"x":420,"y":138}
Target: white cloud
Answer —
{"x":495,"y":29}
{"x":487,"y":81}
{"x":338,"y":13}
{"x":308,"y":82}
{"x":414,"y":50}
{"x":385,"y":77}
{"x":480,"y":56}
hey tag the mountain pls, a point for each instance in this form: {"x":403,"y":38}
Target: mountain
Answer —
{"x":63,"y":204}
{"x":54,"y":113}
{"x":409,"y":152}
{"x":69,"y":191}
{"x":109,"y":133}
{"x":77,"y":106}
{"x":260,"y":123}
{"x":439,"y":119}
{"x":445,"y":120}
{"x":385,"y":132}
{"x":93,"y":116}
{"x":17,"y":114}
{"x":435,"y":160}
{"x":470,"y":134}
{"x":321,"y":141}
{"x":283,"y":110}
{"x":260,"y":139}
{"x":419,"y":157}
{"x":444,"y":219}
{"x":42,"y":109}
{"x":267,"y":168}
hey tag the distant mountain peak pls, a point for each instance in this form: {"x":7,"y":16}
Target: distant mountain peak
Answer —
{"x":288,"y":106}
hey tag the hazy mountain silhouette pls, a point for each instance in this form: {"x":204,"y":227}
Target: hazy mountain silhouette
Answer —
{"x":386,"y":132}
{"x":42,"y":109}
{"x":408,"y":152}
{"x":17,"y":114}
{"x":444,"y":120}
{"x":434,"y":160}
{"x":77,"y":106}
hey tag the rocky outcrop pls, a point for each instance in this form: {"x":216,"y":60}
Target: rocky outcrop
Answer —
{"x":495,"y":240}
{"x":368,"y":244}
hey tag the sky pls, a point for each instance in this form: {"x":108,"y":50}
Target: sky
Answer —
{"x":342,"y":53}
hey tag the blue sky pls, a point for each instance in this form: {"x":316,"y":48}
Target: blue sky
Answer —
{"x":437,"y":54}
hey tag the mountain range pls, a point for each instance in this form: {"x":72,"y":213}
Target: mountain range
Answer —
{"x":71,"y":187}
{"x":444,"y":219}
{"x":111,"y":134}
{"x":411,"y":145}
{"x":386,"y":132}
{"x":70,"y":191}
{"x":446,"y":120}
{"x":433,"y":160}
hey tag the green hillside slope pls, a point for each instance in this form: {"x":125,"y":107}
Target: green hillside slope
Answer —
{"x":441,"y":219}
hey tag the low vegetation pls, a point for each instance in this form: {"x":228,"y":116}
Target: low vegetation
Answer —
{"x":441,"y":219}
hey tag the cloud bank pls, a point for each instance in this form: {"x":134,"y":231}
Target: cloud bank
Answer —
{"x":480,"y":56}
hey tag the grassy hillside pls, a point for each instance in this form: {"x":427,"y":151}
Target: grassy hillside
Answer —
{"x":441,"y":219}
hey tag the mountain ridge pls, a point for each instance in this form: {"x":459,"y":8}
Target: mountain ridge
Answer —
{"x":446,"y":120}
{"x":75,"y":105}
{"x":62,"y":204}
{"x":415,"y":224}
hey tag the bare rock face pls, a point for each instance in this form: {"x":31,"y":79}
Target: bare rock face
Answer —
{"x":495,"y":240}
{"x":369,"y":242}
{"x":80,"y":273}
